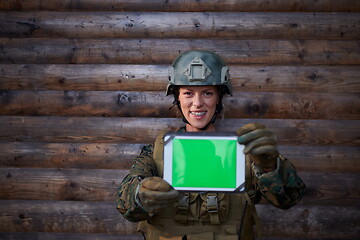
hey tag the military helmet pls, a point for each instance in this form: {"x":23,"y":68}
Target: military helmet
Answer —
{"x":198,"y":68}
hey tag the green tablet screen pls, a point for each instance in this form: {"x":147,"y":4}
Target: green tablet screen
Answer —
{"x":204,"y":163}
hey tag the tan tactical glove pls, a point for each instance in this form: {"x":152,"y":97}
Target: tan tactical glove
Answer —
{"x":155,"y":193}
{"x":260,"y":143}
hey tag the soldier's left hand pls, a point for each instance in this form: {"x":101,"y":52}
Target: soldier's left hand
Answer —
{"x":260,"y":143}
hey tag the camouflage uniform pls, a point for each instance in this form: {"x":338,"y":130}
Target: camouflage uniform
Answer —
{"x":283,"y":188}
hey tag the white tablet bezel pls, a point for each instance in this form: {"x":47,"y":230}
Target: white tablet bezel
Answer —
{"x":240,"y":160}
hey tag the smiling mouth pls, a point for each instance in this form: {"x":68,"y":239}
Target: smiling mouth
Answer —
{"x":198,"y":113}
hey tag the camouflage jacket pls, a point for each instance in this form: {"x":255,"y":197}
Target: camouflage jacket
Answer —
{"x":283,"y":187}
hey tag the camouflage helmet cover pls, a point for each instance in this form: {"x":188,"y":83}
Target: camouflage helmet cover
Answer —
{"x":199,"y":68}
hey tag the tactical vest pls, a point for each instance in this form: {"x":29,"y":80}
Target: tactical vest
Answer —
{"x":203,"y":216}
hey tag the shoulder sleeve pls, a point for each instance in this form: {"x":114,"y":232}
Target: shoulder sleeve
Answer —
{"x":282,"y":187}
{"x":143,"y":167}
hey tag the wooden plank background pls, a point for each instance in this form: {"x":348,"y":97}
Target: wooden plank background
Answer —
{"x":82,"y":89}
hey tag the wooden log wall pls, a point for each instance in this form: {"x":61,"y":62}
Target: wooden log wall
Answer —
{"x":82,"y":90}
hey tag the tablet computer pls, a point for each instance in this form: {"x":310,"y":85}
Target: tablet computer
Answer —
{"x":204,"y":162}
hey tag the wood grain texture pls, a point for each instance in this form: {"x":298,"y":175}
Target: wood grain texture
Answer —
{"x":72,"y":236}
{"x":303,"y":222}
{"x":84,"y":77}
{"x":223,"y":25}
{"x":318,"y":222}
{"x":145,"y":130}
{"x":68,"y":155}
{"x":63,"y":217}
{"x":185,"y":5}
{"x":119,"y":77}
{"x":101,"y":185}
{"x":59,"y":184}
{"x":99,"y":236}
{"x":333,"y":159}
{"x":164,"y":51}
{"x":270,"y":105}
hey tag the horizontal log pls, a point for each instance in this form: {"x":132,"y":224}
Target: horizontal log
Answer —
{"x":156,"y":104}
{"x":59,"y":184}
{"x":290,"y":238}
{"x":334,"y":159}
{"x":99,"y":236}
{"x":72,"y":236}
{"x":302,"y":222}
{"x":68,"y":155}
{"x":242,"y":25}
{"x":184,"y":5}
{"x":164,"y":51}
{"x":88,"y":77}
{"x":304,"y":238}
{"x":318,"y":222}
{"x":145,"y":130}
{"x":331,"y":189}
{"x":101,"y":185}
{"x":118,"y":77}
{"x":63,"y":217}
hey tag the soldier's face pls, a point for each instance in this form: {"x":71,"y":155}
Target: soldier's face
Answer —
{"x":198,"y":104}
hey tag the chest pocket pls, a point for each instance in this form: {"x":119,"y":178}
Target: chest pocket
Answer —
{"x":211,"y":208}
{"x":214,"y":207}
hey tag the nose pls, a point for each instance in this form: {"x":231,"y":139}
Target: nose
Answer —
{"x":198,"y":101}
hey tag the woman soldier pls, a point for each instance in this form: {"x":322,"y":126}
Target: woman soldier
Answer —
{"x":198,"y":80}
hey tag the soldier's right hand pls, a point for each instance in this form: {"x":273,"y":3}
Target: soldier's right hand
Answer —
{"x":155,"y":193}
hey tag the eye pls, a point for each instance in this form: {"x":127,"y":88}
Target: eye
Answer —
{"x":208,"y":93}
{"x":187,"y":93}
